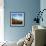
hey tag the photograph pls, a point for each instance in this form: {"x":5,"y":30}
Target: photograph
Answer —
{"x":17,"y":19}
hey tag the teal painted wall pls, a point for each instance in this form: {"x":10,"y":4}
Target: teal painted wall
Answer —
{"x":30,"y":7}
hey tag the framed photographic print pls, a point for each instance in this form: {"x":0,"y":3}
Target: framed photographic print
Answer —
{"x":17,"y":18}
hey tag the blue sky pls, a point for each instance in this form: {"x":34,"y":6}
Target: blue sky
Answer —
{"x":18,"y":17}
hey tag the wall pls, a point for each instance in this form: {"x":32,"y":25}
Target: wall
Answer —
{"x":43,"y":6}
{"x":30,"y":7}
